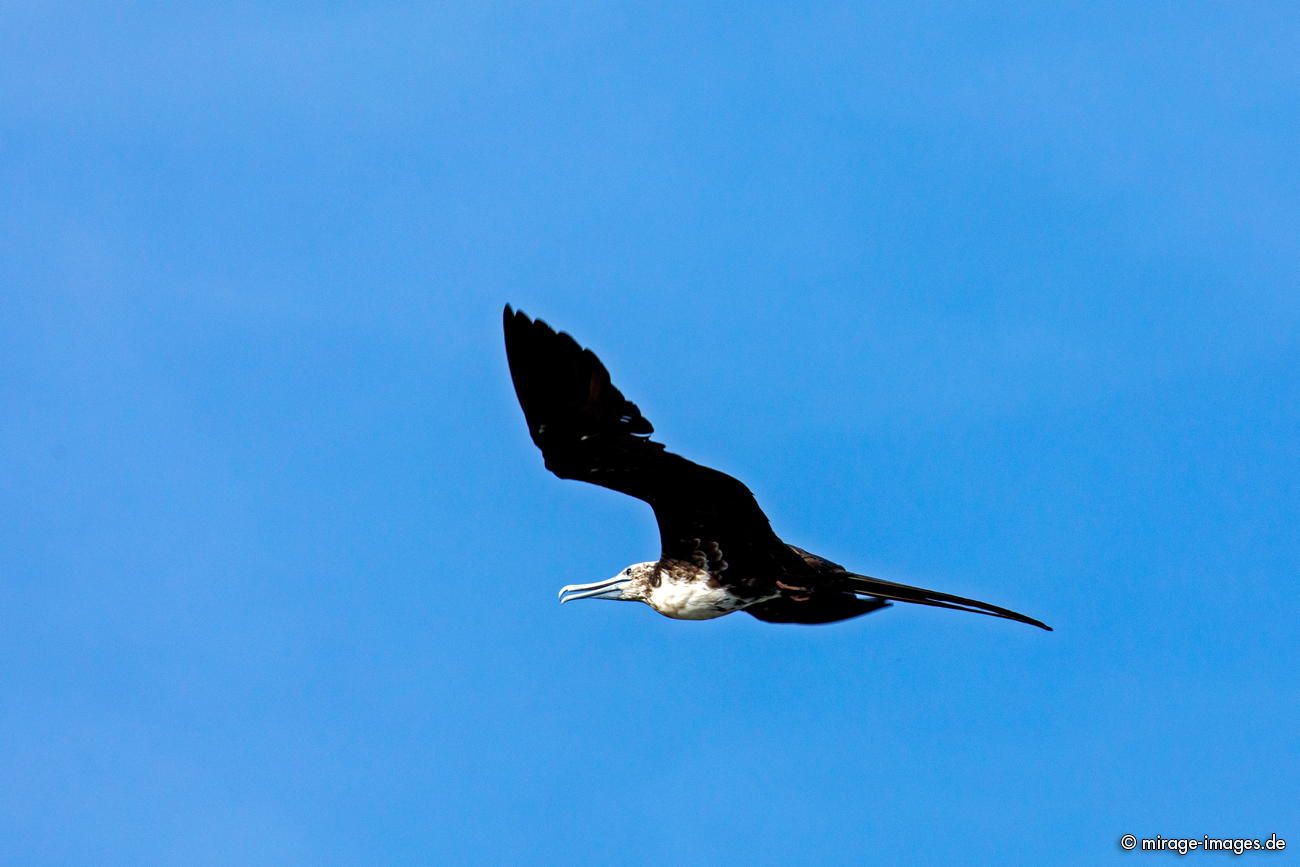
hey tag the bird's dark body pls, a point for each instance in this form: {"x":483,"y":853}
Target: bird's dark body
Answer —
{"x":711,"y":529}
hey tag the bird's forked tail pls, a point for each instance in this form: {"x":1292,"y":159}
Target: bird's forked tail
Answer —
{"x":869,"y":586}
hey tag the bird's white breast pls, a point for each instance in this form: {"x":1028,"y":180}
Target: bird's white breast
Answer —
{"x":691,"y":599}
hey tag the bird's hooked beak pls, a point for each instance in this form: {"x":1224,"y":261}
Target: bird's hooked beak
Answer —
{"x":610,"y":588}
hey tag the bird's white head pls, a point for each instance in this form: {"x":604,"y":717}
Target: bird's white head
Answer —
{"x":630,"y":585}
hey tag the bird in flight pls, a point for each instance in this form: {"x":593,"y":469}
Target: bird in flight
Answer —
{"x":718,"y":552}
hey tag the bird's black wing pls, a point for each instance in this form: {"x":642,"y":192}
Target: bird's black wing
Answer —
{"x":587,"y":430}
{"x":829,"y":606}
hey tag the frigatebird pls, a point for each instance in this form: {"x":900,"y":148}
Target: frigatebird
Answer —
{"x":718,"y":552}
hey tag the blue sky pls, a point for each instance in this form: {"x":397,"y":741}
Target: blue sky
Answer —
{"x":1002,"y":300}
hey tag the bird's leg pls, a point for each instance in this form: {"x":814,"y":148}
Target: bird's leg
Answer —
{"x":797,"y":594}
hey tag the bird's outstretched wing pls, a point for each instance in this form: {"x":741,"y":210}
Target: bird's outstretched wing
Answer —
{"x":587,"y":430}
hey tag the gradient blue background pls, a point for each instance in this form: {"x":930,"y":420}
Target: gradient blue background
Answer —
{"x":1000,"y":300}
